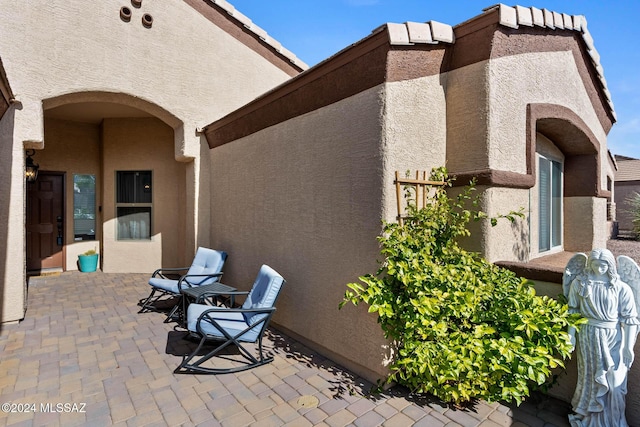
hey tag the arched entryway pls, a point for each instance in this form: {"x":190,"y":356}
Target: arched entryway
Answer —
{"x":122,"y":191}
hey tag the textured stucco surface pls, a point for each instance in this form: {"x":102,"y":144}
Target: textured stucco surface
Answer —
{"x":12,"y":249}
{"x":167,"y":245}
{"x":183,"y":70}
{"x":310,"y":200}
{"x":515,"y":81}
{"x":624,"y":191}
{"x":468,"y":119}
{"x":584,"y":225}
{"x":587,"y":224}
{"x":415,"y":132}
{"x":486,"y":107}
{"x":307,"y":202}
{"x":56,"y":49}
{"x":487,"y":128}
{"x":505,"y":241}
{"x":467,"y":116}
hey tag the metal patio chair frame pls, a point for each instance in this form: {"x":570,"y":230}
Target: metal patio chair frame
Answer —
{"x":247,"y":331}
{"x":169,"y":282}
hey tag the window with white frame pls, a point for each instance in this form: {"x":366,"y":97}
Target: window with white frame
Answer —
{"x":133,"y":205}
{"x":549,"y":204}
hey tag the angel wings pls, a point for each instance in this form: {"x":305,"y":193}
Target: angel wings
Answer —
{"x":630,"y":274}
{"x":627,"y":269}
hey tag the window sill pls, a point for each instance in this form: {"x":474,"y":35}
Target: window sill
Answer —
{"x":548,"y":268}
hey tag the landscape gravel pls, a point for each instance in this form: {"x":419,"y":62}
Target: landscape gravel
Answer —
{"x":628,"y":247}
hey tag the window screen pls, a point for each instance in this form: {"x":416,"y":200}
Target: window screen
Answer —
{"x":134,"y":205}
{"x":549,"y":204}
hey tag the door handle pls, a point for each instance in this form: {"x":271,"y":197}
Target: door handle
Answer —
{"x":59,"y":239}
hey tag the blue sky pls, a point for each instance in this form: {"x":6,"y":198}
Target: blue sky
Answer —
{"x":314,"y":30}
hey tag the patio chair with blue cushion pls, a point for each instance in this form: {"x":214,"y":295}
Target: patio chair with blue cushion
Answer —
{"x":168,"y":282}
{"x":237,"y":326}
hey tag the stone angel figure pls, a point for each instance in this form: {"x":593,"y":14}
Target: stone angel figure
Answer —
{"x":608,"y":296}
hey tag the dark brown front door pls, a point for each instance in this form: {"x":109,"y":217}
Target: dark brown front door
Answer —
{"x":45,"y":219}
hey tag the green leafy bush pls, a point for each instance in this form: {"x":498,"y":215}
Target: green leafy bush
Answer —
{"x":463,"y":328}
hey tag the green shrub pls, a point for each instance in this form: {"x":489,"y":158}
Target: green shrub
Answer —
{"x":463,"y":328}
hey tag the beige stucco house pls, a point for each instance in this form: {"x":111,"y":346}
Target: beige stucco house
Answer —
{"x":513,"y":97}
{"x":110,"y":95}
{"x":182,"y":124}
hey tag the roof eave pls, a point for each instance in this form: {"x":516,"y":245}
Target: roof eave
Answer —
{"x":517,"y":16}
{"x":5,"y":87}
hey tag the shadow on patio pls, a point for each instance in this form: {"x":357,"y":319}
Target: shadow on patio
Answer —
{"x":83,"y":342}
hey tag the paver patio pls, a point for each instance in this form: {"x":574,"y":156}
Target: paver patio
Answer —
{"x":83,"y":344}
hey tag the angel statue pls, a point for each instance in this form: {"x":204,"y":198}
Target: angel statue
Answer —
{"x":609,"y":298}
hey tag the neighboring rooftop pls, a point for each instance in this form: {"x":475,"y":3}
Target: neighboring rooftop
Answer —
{"x":628,"y":170}
{"x":621,"y":158}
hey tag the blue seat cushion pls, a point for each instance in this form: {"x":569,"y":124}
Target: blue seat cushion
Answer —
{"x":171,"y":285}
{"x":167,"y":285}
{"x":206,"y":261}
{"x":232,"y":322}
{"x":263,"y":294}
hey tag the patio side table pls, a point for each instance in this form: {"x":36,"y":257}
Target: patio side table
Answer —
{"x":200,"y":294}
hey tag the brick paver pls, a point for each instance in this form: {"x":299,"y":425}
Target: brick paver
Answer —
{"x":84,"y":356}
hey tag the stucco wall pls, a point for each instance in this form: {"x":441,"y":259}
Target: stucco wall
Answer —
{"x":183,"y":64}
{"x":183,"y":69}
{"x":506,"y":240}
{"x":518,"y":80}
{"x":309,"y":200}
{"x":584,"y":225}
{"x":625,"y":190}
{"x":487,"y":128}
{"x":12,"y":249}
{"x":586,"y":219}
{"x":415,"y":132}
{"x":143,"y":144}
{"x":467,"y":116}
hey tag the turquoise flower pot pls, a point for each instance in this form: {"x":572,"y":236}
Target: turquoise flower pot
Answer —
{"x":88,"y":263}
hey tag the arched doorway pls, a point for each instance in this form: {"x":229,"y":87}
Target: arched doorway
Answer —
{"x":104,"y":147}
